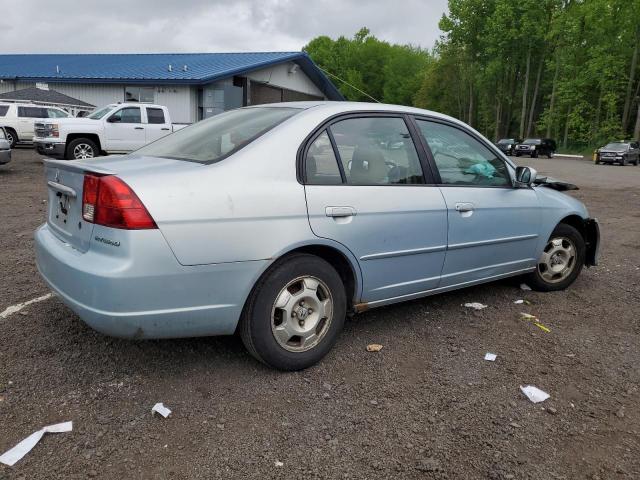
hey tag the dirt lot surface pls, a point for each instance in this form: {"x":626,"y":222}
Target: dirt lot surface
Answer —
{"x":426,"y":406}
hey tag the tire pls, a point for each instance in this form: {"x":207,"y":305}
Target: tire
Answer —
{"x":534,"y":155}
{"x":517,"y":154}
{"x":623,"y":162}
{"x":550,"y":155}
{"x":269,"y":331}
{"x":81,"y":148}
{"x":541,"y":280}
{"x":12,"y":137}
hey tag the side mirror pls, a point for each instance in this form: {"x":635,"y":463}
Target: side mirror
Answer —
{"x":525,"y":176}
{"x":113,"y":119}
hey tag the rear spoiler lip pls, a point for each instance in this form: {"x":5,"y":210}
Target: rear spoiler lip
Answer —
{"x":76,"y":166}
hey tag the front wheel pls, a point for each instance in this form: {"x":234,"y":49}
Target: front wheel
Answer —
{"x":295,"y":313}
{"x":561,"y":261}
{"x":81,"y":148}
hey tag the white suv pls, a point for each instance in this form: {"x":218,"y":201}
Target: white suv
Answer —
{"x":18,"y":119}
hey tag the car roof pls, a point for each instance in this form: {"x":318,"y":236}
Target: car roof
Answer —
{"x":335,"y":107}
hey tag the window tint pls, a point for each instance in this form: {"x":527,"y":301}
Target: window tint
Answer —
{"x":127,"y":115}
{"x":155,"y":115}
{"x":3,"y":110}
{"x":215,"y":138}
{"x":32,"y":112}
{"x":55,"y":113}
{"x":321,"y":163}
{"x":461,"y":159}
{"x":377,"y":151}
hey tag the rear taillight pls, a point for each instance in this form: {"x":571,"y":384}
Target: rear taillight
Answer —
{"x":108,"y":201}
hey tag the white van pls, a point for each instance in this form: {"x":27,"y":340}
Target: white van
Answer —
{"x":18,"y":119}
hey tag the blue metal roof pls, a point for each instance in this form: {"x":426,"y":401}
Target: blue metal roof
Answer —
{"x":186,"y":68}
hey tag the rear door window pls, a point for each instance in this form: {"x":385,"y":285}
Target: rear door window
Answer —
{"x":155,"y":115}
{"x":377,"y":151}
{"x":321,"y":163}
{"x":3,"y":110}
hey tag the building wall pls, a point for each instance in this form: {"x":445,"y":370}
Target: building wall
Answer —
{"x":178,"y":98}
{"x":182,"y":100}
{"x":280,"y":76}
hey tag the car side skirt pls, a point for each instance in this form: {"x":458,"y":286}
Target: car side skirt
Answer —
{"x":361,"y":307}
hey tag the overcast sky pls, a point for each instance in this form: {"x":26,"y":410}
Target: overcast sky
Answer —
{"x":67,"y":26}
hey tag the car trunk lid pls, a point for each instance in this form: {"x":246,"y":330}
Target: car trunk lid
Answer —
{"x":64,"y":214}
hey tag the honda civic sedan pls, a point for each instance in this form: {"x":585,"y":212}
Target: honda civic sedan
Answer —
{"x":278,"y":221}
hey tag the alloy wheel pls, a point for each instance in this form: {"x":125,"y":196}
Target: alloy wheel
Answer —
{"x":83,"y":150}
{"x":557,"y":260}
{"x":302,"y":314}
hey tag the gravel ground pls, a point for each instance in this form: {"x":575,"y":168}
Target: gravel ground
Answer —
{"x":426,"y":406}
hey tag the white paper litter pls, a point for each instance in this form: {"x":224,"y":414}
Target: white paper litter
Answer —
{"x":534,"y":394}
{"x":525,"y":287}
{"x":11,"y":457}
{"x":475,"y":305}
{"x":16,"y":308}
{"x":279,"y":464}
{"x":491,"y":357}
{"x":519,"y":301}
{"x":161,"y":409}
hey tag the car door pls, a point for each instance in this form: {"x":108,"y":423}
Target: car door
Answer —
{"x":493,"y":226}
{"x":124,"y":130}
{"x":366,"y":189}
{"x":157,"y":126}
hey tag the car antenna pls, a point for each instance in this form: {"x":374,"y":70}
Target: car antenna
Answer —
{"x":352,"y":86}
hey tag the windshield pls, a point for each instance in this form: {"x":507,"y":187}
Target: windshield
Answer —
{"x":213,"y":139}
{"x":532,"y":141}
{"x":616,"y":146}
{"x":98,"y":114}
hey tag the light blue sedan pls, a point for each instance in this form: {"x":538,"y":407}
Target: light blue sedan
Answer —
{"x":277,"y":221}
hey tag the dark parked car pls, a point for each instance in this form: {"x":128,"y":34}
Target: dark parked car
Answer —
{"x":536,"y":146}
{"x":619,"y":152}
{"x":508,"y":145}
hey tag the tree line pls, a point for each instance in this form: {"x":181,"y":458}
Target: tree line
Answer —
{"x":564,"y":69}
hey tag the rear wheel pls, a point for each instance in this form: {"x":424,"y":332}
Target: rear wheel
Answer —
{"x":561,"y":261}
{"x":295,"y":313}
{"x":81,"y":148}
{"x":12,"y":137}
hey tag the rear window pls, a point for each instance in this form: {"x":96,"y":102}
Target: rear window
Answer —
{"x":213,"y":139}
{"x":3,"y":110}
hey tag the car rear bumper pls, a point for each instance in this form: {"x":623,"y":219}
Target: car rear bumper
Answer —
{"x":5,"y":156}
{"x":145,"y":292}
{"x":50,"y":149}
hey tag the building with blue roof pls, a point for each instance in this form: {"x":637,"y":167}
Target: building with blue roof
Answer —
{"x":192,"y":85}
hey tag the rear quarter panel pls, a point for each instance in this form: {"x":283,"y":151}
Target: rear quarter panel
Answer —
{"x":246,"y":207}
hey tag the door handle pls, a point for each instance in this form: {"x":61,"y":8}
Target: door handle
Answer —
{"x":340,"y":211}
{"x":464,"y":207}
{"x":139,"y":128}
{"x":165,"y":128}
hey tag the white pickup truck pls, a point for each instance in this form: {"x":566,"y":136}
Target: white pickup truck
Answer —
{"x":116,"y":128}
